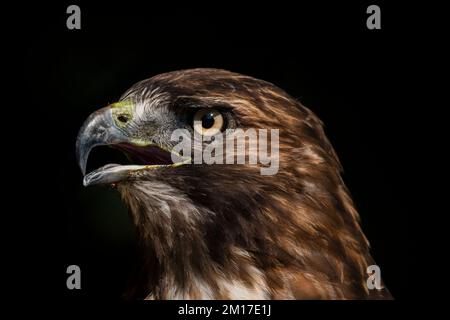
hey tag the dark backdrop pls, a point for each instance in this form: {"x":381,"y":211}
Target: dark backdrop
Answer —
{"x":322,"y":54}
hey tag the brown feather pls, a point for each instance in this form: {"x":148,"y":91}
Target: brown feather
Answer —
{"x":233,"y":233}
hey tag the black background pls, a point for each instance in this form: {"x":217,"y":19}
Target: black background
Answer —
{"x":322,"y":54}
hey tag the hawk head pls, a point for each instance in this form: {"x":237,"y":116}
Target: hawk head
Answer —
{"x":226,"y":230}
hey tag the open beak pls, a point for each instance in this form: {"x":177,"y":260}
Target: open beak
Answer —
{"x":99,"y":129}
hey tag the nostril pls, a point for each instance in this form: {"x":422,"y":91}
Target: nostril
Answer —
{"x":122,"y":118}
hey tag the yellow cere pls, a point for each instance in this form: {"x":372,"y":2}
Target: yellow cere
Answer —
{"x":122,"y":112}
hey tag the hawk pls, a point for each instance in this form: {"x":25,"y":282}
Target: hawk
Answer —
{"x":225,"y":231}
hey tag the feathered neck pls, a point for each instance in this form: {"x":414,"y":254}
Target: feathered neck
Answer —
{"x":253,"y":247}
{"x":178,"y":260}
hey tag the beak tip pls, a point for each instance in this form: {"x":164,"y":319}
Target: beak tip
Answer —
{"x":93,"y":132}
{"x":81,"y":163}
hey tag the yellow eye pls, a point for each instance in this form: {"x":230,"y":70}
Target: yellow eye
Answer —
{"x":208,"y":122}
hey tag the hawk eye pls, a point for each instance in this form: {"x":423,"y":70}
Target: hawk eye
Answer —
{"x":208,"y":122}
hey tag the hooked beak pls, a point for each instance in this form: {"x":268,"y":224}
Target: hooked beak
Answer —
{"x":99,"y":129}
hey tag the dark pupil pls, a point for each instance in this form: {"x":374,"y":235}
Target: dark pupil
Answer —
{"x":208,"y":120}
